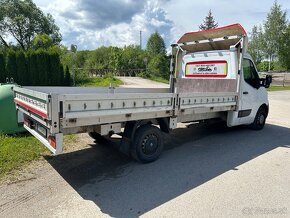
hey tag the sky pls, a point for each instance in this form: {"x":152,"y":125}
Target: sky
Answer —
{"x":93,"y":23}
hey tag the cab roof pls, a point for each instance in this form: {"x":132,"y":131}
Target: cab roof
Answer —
{"x":214,"y":39}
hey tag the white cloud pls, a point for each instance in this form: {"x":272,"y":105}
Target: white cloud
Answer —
{"x":92,"y":23}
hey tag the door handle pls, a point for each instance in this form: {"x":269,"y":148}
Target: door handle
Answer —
{"x":245,"y":93}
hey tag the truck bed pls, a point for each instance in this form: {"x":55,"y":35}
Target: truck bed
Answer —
{"x":49,"y":111}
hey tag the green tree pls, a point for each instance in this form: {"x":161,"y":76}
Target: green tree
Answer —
{"x":255,"y":46}
{"x":24,"y":20}
{"x":99,"y":58}
{"x":284,"y":49}
{"x":158,"y":66}
{"x":115,"y":60}
{"x":42,"y":41}
{"x":156,"y":45}
{"x":2,"y":68}
{"x":209,"y":22}
{"x":133,"y":58}
{"x":275,"y":25}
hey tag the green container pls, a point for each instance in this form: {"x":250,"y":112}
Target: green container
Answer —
{"x":8,"y":114}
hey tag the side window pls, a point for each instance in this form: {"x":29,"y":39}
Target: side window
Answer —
{"x":250,"y":73}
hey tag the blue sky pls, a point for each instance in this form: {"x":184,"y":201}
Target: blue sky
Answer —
{"x":93,"y":23}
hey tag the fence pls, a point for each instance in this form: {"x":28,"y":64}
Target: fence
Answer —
{"x":281,"y":79}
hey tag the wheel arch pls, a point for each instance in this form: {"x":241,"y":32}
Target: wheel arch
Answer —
{"x":265,"y":107}
{"x":131,"y":127}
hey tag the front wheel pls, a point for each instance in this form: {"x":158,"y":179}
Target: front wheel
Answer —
{"x":148,"y":144}
{"x":260,"y":119}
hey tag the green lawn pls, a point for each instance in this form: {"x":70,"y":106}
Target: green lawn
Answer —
{"x":278,"y":88}
{"x":101,"y":82}
{"x":16,"y":151}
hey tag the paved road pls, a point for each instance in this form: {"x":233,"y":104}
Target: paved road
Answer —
{"x":205,"y":171}
{"x":135,"y":82}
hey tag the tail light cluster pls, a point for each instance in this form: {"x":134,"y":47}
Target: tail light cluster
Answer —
{"x":52,"y":141}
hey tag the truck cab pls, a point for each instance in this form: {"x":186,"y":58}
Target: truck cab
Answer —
{"x":216,"y":60}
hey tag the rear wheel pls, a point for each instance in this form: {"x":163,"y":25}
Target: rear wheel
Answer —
{"x":260,"y":119}
{"x":148,"y":144}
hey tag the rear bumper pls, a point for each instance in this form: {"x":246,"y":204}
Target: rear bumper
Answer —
{"x":58,"y":141}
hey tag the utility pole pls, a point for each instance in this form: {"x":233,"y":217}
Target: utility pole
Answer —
{"x":140,"y":39}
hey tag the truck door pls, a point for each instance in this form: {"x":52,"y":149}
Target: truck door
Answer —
{"x":250,"y":84}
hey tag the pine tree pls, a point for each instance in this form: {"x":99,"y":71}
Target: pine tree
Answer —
{"x":209,"y":22}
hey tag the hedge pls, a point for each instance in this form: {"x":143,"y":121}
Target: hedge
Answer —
{"x":33,"y":68}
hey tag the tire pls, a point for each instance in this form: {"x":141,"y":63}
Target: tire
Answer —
{"x":260,"y":119}
{"x":148,"y":144}
{"x":98,"y":138}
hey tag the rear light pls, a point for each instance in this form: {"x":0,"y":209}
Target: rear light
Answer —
{"x":52,"y":141}
{"x":27,"y":123}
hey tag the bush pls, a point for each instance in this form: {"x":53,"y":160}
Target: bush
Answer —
{"x":275,"y":66}
{"x":264,"y":66}
{"x":159,"y":67}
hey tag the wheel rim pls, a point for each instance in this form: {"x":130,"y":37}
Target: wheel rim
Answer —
{"x":150,"y":144}
{"x":261,"y":119}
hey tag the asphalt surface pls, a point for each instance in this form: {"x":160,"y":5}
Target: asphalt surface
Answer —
{"x":205,"y":171}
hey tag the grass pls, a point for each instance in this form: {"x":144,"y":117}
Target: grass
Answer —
{"x":101,"y":82}
{"x":278,"y":88}
{"x":17,"y":151}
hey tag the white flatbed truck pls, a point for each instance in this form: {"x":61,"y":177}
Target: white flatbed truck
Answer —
{"x":212,"y":76}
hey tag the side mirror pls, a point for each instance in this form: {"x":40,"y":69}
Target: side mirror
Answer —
{"x":268,"y":81}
